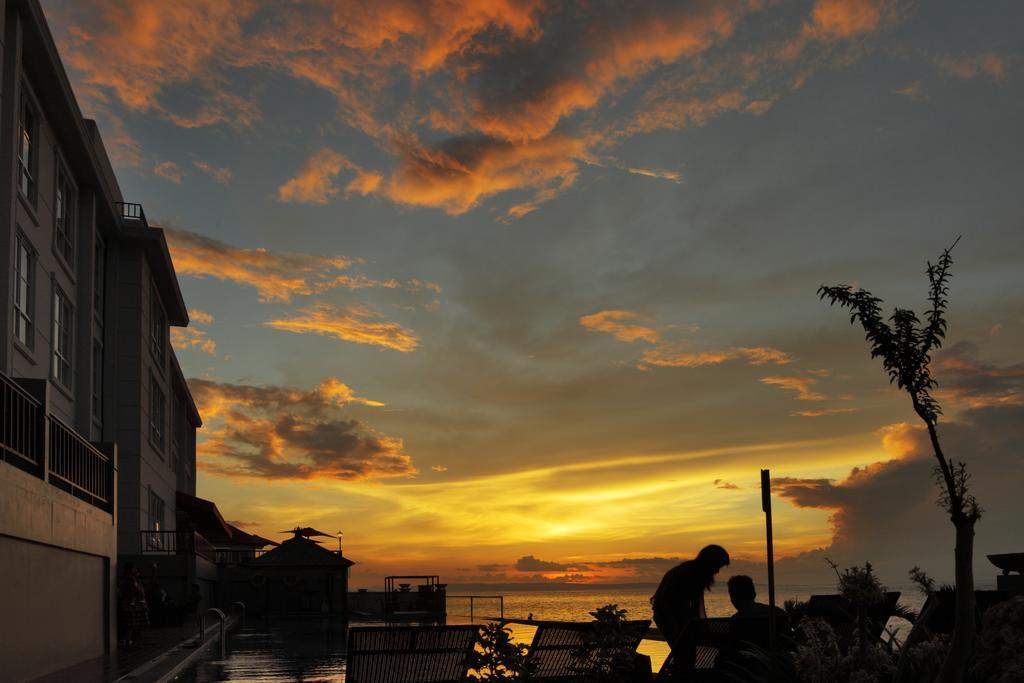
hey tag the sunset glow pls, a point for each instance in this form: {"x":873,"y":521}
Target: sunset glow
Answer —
{"x":525,"y":291}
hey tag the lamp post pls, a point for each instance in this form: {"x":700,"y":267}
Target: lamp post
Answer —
{"x":339,"y":543}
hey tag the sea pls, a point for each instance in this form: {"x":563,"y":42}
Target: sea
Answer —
{"x":275,"y":651}
{"x":574,"y":603}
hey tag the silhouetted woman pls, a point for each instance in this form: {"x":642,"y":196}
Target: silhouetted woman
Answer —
{"x":680,"y":596}
{"x":134,"y":612}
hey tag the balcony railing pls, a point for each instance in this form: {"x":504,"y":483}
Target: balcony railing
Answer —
{"x":44,"y":446}
{"x":132,"y":212}
{"x":21,"y":441}
{"x":161,"y":542}
{"x":78,"y":466}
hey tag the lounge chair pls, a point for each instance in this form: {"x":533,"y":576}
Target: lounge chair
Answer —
{"x":706,"y":645}
{"x":842,"y":616}
{"x":409,"y":654}
{"x":939,"y":611}
{"x":551,"y":655}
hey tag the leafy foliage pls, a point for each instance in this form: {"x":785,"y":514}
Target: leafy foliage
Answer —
{"x":605,"y":654}
{"x":497,"y":657}
{"x":905,"y":345}
{"x":922,"y":580}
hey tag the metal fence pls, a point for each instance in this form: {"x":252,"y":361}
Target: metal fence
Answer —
{"x":161,"y":542}
{"x":42,"y":445}
{"x":21,"y":440}
{"x":132,"y":212}
{"x":78,"y":465}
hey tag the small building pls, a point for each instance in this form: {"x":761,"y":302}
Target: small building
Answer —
{"x":299,"y":576}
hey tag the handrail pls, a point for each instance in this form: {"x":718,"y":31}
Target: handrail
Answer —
{"x":77,"y":464}
{"x":172,"y":542}
{"x":19,"y":420}
{"x":472,"y":598}
{"x":132,"y":212}
{"x":220,"y":618}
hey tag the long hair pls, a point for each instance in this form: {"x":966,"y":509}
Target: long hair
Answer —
{"x":710,"y":559}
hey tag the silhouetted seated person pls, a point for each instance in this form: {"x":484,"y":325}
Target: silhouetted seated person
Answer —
{"x":680,"y":596}
{"x":754,"y":614}
{"x":744,"y":598}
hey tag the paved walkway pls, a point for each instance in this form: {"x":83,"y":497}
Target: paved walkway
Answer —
{"x":164,"y":647}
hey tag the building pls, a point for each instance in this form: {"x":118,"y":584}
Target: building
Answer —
{"x":299,"y":576}
{"x":97,"y":434}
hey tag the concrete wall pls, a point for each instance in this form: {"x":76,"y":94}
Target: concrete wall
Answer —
{"x":58,"y":563}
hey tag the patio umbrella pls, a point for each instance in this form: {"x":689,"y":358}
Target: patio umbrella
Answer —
{"x":306,"y":531}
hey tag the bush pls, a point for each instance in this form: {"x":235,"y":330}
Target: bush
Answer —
{"x":497,"y":657}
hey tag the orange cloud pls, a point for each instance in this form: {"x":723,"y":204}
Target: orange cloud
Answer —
{"x":269,"y":432}
{"x":671,"y":176}
{"x":315,"y":182}
{"x":820,"y":412}
{"x":673,"y":113}
{"x":623,"y":326}
{"x":616,"y":323}
{"x":219,"y":175}
{"x":459,"y":174}
{"x":967,"y":382}
{"x":193,"y":336}
{"x":840,"y":19}
{"x":801,"y":385}
{"x":365,"y":182}
{"x":276,"y":276}
{"x":201,"y":317}
{"x":168,"y":170}
{"x":990,"y":65}
{"x":671,"y":357}
{"x":555,"y":61}
{"x":137,"y":50}
{"x":183,"y":338}
{"x":354,"y":324}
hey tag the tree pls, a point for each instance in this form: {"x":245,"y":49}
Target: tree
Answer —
{"x":905,"y":347}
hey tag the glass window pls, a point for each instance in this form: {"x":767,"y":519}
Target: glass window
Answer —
{"x":156,"y":522}
{"x":157,"y":327}
{"x":157,"y":413}
{"x":99,"y":278}
{"x":27,"y":152}
{"x":64,"y":217}
{"x":156,"y":512}
{"x":97,"y":380}
{"x":63,"y":326}
{"x":24,"y":291}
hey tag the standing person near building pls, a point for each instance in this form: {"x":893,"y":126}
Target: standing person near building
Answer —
{"x":134,"y":613}
{"x":680,"y":596}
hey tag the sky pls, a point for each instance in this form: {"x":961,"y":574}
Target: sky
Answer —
{"x":526,"y":291}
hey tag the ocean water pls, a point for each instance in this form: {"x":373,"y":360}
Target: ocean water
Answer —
{"x":274,"y":651}
{"x":576,"y":604}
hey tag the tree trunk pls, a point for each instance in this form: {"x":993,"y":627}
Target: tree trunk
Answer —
{"x":962,"y":643}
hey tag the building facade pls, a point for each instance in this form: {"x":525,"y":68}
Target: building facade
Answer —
{"x":98,"y":426}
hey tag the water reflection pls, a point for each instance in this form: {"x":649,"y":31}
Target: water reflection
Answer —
{"x":278,"y":650}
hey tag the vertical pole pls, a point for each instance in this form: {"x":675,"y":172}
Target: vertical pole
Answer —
{"x":471,"y":609}
{"x":766,"y":505}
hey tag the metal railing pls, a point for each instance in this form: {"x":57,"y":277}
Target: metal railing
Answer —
{"x":77,"y":465}
{"x":473,"y":598}
{"x":41,"y":444}
{"x":161,"y":542}
{"x":132,"y":212}
{"x":21,"y":440}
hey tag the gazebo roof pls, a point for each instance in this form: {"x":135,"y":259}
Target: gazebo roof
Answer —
{"x":301,"y":552}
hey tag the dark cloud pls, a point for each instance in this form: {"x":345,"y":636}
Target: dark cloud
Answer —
{"x":529,"y":563}
{"x":284,"y":433}
{"x":886,"y":512}
{"x":723,"y":484}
